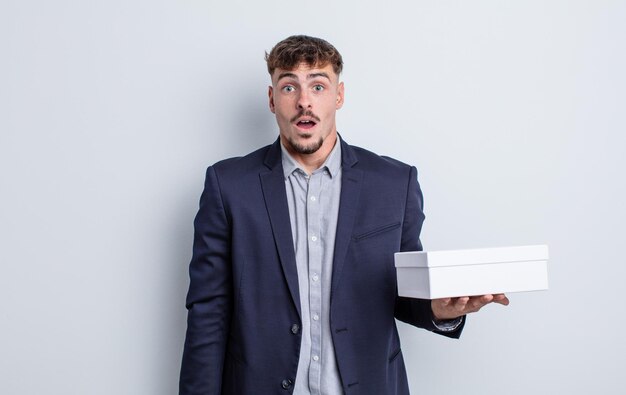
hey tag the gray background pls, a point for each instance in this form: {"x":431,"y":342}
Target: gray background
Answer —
{"x":513,"y":111}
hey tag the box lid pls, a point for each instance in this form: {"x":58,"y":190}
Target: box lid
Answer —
{"x":471,"y":256}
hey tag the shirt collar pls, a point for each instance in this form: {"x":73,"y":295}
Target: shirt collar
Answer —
{"x":332,"y":163}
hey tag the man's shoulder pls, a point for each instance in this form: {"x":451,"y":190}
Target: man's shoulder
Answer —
{"x":243,"y":164}
{"x":371,"y":160}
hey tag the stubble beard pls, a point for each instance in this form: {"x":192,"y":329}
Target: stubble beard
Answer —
{"x":306,"y":149}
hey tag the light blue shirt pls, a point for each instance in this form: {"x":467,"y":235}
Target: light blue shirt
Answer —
{"x":313,"y":202}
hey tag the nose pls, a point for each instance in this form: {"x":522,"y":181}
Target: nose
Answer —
{"x":304,"y":101}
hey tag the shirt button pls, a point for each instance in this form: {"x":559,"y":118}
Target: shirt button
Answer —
{"x":316,"y":317}
{"x":315,"y":277}
{"x":295,"y":328}
{"x":313,"y":198}
{"x":313,"y":238}
{"x":286,"y":384}
{"x":325,"y":172}
{"x":316,"y":358}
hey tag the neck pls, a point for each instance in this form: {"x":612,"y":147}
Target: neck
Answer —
{"x":312,"y":162}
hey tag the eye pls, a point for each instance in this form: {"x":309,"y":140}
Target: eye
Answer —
{"x":288,"y":88}
{"x":318,"y":88}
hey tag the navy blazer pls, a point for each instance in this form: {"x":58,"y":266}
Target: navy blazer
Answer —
{"x":243,"y":335}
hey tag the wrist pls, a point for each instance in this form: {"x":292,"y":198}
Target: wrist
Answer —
{"x":448,"y":325}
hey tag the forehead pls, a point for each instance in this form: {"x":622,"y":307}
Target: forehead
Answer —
{"x":305,"y":71}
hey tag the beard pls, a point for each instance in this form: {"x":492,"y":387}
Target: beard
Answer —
{"x":306,"y":149}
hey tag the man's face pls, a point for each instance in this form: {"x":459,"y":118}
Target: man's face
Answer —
{"x":305,"y":101}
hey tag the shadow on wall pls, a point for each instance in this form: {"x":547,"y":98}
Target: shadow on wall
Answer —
{"x":238,"y":123}
{"x":256,"y":127}
{"x":249,"y":122}
{"x":172,"y":311}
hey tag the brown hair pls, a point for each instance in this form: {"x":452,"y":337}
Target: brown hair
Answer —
{"x":292,"y":51}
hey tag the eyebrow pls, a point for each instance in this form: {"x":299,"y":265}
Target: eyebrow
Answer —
{"x":308,"y":77}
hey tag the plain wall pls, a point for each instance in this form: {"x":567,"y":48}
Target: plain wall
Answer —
{"x":110,"y":111}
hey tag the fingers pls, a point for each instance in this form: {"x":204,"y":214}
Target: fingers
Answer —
{"x":446,"y":302}
{"x":495,"y":298}
{"x":448,"y":308}
{"x":475,"y":303}
{"x":461,"y":304}
{"x":501,"y":299}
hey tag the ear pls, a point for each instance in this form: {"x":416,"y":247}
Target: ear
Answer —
{"x":270,"y":95}
{"x":340,"y":96}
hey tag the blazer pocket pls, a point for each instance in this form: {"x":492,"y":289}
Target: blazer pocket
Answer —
{"x":376,"y":231}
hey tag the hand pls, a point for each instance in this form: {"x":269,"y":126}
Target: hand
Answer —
{"x":451,"y":308}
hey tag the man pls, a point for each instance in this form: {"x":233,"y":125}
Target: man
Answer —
{"x":293,"y":284}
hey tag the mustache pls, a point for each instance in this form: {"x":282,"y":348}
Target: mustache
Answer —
{"x":307,"y":113}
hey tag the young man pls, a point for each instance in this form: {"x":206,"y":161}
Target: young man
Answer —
{"x":293,"y":284}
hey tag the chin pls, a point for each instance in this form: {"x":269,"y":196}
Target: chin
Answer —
{"x":308,"y":148}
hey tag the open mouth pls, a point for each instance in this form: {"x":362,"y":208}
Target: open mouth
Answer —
{"x":305,"y":124}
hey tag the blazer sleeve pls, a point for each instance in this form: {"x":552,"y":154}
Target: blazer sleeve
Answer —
{"x":417,"y":312}
{"x":209,"y":300}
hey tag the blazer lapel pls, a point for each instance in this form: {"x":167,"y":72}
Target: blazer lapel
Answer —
{"x":351,"y":180}
{"x":274,"y":193}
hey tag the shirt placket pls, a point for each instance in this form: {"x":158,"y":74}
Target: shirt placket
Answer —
{"x":315,"y":245}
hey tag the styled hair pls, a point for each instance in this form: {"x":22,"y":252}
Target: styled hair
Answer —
{"x":313,"y":51}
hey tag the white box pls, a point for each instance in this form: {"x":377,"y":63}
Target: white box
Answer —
{"x":443,"y":274}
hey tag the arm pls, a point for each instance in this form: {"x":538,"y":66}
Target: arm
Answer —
{"x":209,"y":300}
{"x":417,"y":312}
{"x":426,"y":313}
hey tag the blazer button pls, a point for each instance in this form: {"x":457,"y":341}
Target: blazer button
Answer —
{"x":295,"y":328}
{"x":286,"y":384}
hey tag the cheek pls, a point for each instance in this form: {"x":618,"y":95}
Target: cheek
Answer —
{"x":282,"y":104}
{"x":330,"y":107}
{"x":282,"y":115}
